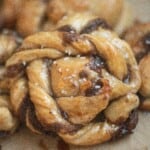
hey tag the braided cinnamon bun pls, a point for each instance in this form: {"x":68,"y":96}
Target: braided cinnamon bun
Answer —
{"x":8,"y":122}
{"x":138,"y":37}
{"x":79,"y":82}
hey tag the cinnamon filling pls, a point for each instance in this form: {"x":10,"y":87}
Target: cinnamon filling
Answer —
{"x":23,"y":108}
{"x":70,"y":37}
{"x":35,"y":123}
{"x":100,"y":117}
{"x":83,"y":74}
{"x":97,"y":63}
{"x":94,"y":25}
{"x":127,"y":126}
{"x":67,"y":28}
{"x":12,"y":71}
{"x":94,"y":89}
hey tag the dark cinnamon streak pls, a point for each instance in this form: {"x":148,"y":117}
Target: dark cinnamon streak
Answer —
{"x":100,"y":117}
{"x":97,"y":63}
{"x":27,"y":105}
{"x":67,"y":28}
{"x":49,"y":129}
{"x":35,"y":122}
{"x":70,"y":37}
{"x":127,"y":126}
{"x":23,"y":108}
{"x":93,"y":25}
{"x":12,"y":71}
{"x":94,"y":89}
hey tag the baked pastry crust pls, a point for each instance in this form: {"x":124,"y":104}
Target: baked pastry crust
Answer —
{"x":138,"y":37}
{"x":74,"y":78}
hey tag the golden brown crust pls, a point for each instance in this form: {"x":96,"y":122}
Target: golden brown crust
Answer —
{"x":71,"y":77}
{"x":138,"y":37}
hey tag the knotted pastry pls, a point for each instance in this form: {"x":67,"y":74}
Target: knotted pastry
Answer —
{"x":79,"y":81}
{"x":8,"y":122}
{"x":30,"y":16}
{"x":138,"y":37}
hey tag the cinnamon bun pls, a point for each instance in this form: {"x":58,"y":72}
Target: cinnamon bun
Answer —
{"x":78,"y":81}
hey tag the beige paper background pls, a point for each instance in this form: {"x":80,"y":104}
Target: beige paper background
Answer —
{"x":140,"y":140}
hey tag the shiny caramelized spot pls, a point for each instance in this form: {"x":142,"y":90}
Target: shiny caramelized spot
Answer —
{"x":94,"y":89}
{"x":97,"y":63}
{"x":126,"y":79}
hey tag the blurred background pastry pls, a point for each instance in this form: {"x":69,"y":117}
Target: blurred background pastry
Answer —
{"x":138,"y":36}
{"x":30,"y":16}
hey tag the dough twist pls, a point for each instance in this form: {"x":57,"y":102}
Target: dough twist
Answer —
{"x":79,"y":81}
